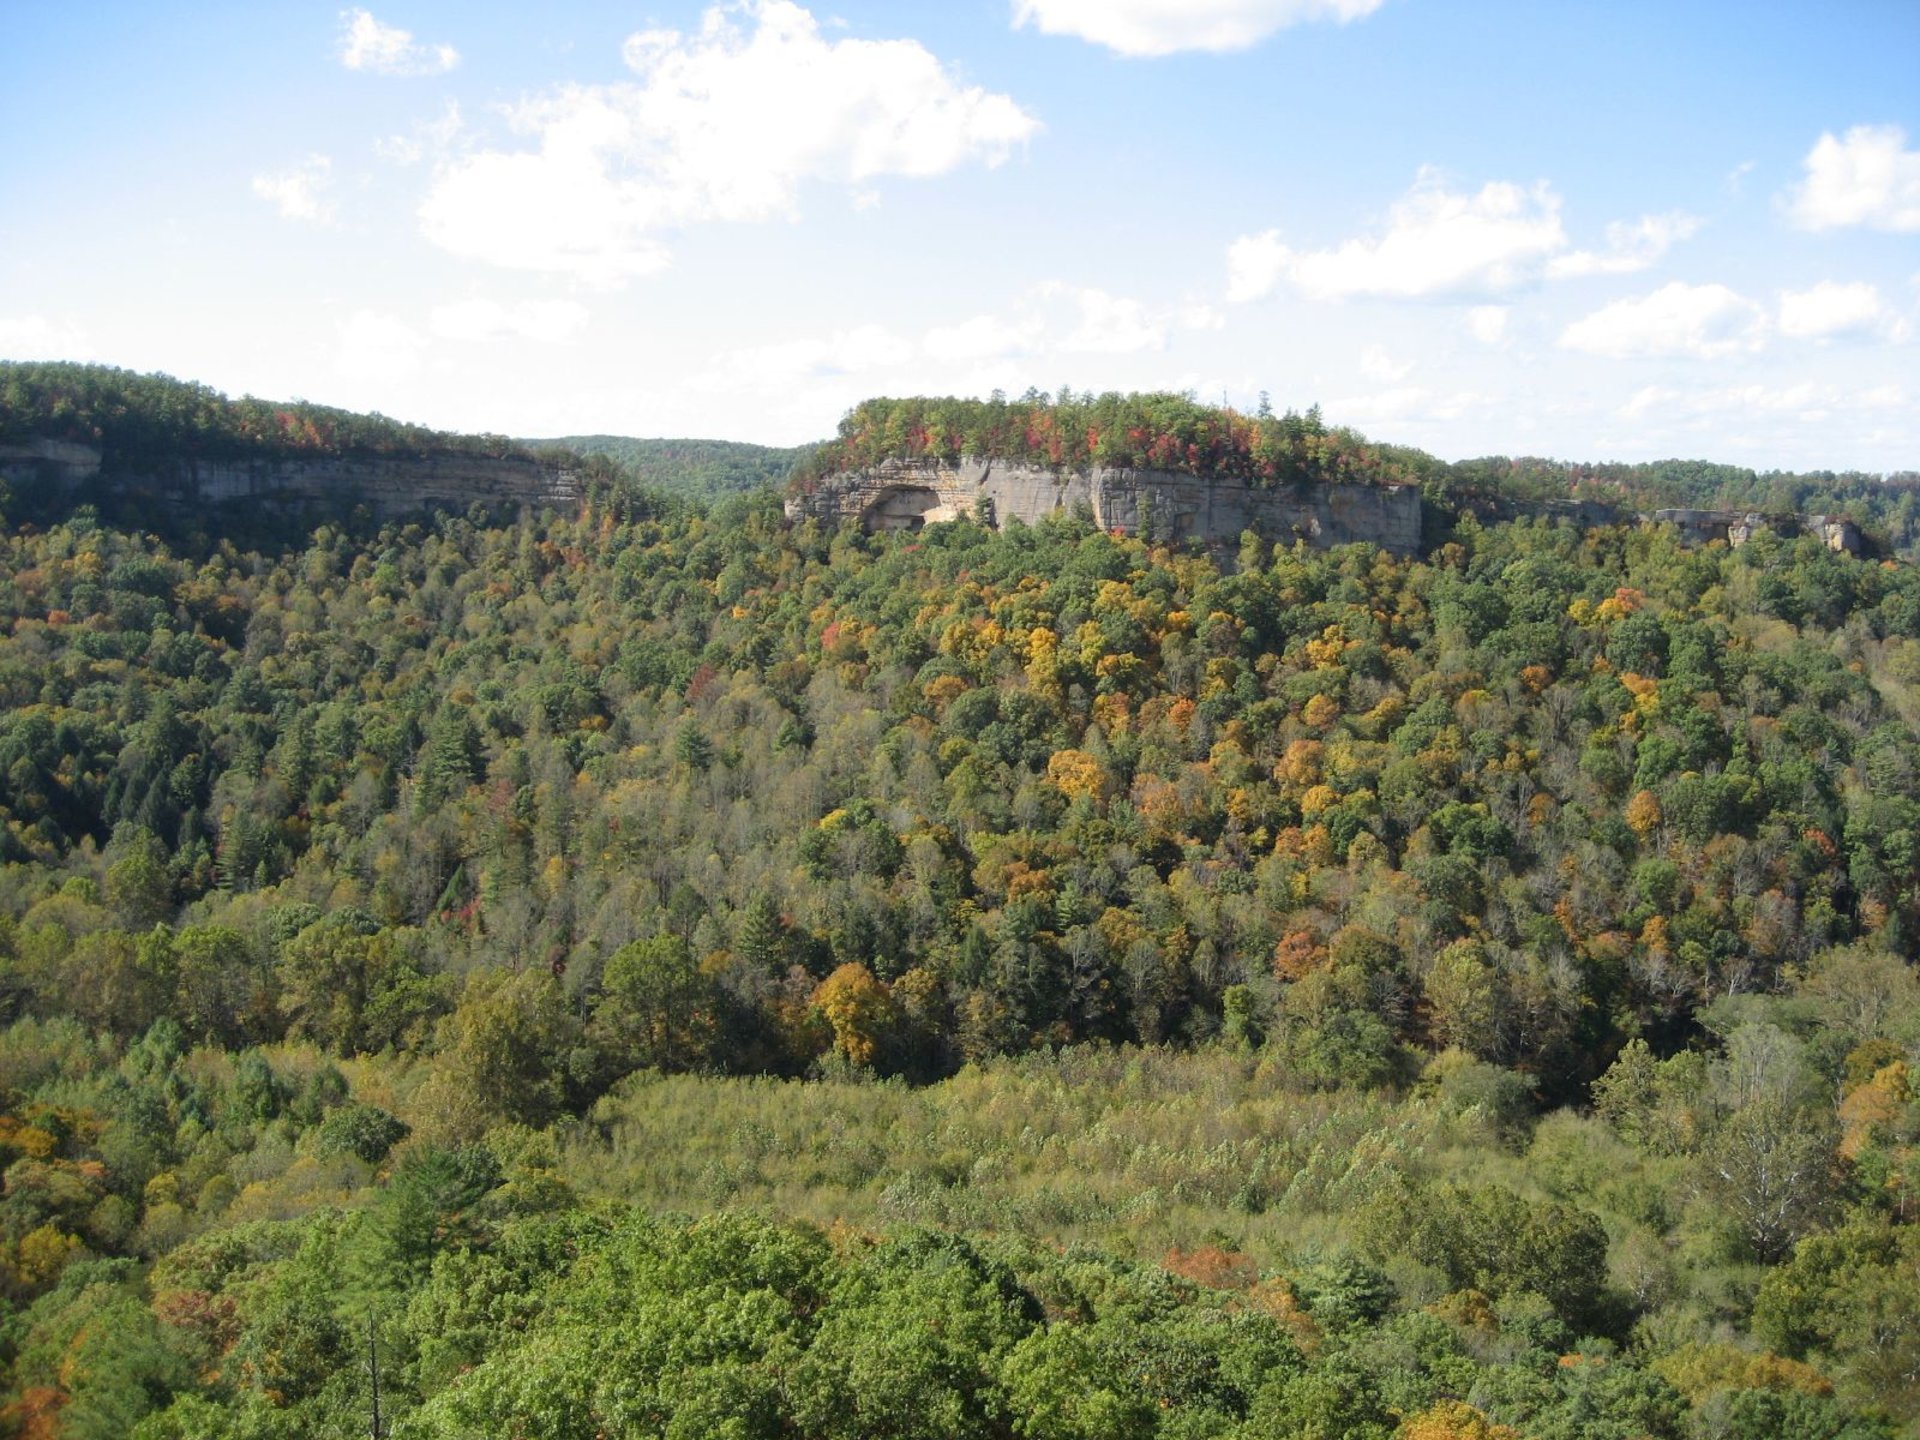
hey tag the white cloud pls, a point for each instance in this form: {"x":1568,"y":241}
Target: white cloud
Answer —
{"x":844,"y":352}
{"x":1255,"y":265}
{"x":1377,"y":364}
{"x":1831,"y":309}
{"x":1057,"y":318}
{"x":1805,"y":401}
{"x":1630,"y":247}
{"x":1866,"y":178}
{"x":1677,"y":319}
{"x":300,"y":193}
{"x":1406,"y":404}
{"x":429,"y":137}
{"x":1488,"y":323}
{"x":1162,"y":27}
{"x":372,"y":346}
{"x":1011,"y":345}
{"x":1436,"y":242}
{"x":985,"y":337}
{"x":725,"y":124}
{"x":550,"y":322}
{"x":1112,"y":325}
{"x":34,"y":337}
{"x":366,"y":44}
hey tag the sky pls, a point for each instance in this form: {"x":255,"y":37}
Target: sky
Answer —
{"x":1586,"y":229}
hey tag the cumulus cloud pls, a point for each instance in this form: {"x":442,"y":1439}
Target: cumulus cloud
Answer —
{"x":1162,"y":27}
{"x":374,"y":346}
{"x":1488,"y":323}
{"x":1805,"y":401}
{"x":1831,"y":310}
{"x":34,"y":337}
{"x":1441,"y":242}
{"x":427,"y":137}
{"x":366,"y":44}
{"x":1062,"y":319}
{"x":1143,"y":28}
{"x":725,"y":124}
{"x":300,"y":193}
{"x":1408,"y":404}
{"x":1705,"y":321}
{"x":986,"y":337}
{"x":1053,"y":319}
{"x":550,"y":322}
{"x":844,"y":352}
{"x":1436,"y":242}
{"x":1631,"y":246}
{"x":1377,"y":364}
{"x":1866,"y":177}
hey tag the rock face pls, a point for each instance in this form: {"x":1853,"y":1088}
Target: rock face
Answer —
{"x":1164,"y":504}
{"x":387,"y":486}
{"x":1736,"y":527}
{"x":59,"y":460}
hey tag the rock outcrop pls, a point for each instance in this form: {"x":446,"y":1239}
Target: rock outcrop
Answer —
{"x":1163,"y":504}
{"x":1736,"y":527}
{"x":388,"y":486}
{"x":60,"y":461}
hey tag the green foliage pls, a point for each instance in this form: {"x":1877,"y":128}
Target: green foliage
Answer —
{"x":697,"y":469}
{"x":414,"y":917}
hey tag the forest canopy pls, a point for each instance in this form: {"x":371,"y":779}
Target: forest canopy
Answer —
{"x":1080,"y":986}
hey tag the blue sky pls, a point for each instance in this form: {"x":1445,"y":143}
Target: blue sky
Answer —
{"x":1590,"y":230}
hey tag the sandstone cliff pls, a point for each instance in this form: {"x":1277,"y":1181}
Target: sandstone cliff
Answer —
{"x":389,"y":486}
{"x":905,"y":494}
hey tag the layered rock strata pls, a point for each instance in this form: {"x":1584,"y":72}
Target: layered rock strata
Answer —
{"x":389,"y":486}
{"x":1162,"y":504}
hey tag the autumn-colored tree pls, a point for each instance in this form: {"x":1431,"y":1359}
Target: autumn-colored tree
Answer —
{"x":859,"y":1008}
{"x":1452,"y":1420}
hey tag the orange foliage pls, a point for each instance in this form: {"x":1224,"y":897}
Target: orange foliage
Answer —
{"x":1274,"y":1296}
{"x":35,"y":1415}
{"x":1321,"y":711}
{"x":1644,"y":814}
{"x":1298,"y":955}
{"x":1212,"y":1267}
{"x":1874,"y":1106}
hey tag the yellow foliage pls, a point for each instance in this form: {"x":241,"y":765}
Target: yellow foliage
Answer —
{"x":1075,"y":773}
{"x":1644,"y":814}
{"x":1301,"y":764}
{"x":1696,"y":1371}
{"x":1110,"y":712}
{"x":943,"y":690}
{"x":1645,"y":692}
{"x":858,"y":1007}
{"x":1324,"y":653}
{"x":1453,"y":1420}
{"x":1318,"y":800}
{"x":1469,"y":1309}
{"x":1653,"y":935}
{"x":43,"y":1254}
{"x":1321,"y":711}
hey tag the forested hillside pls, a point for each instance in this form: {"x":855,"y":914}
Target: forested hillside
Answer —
{"x":697,"y":469}
{"x":136,"y":419}
{"x":681,"y":974}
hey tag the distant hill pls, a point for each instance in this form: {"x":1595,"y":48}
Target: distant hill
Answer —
{"x":696,"y":469}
